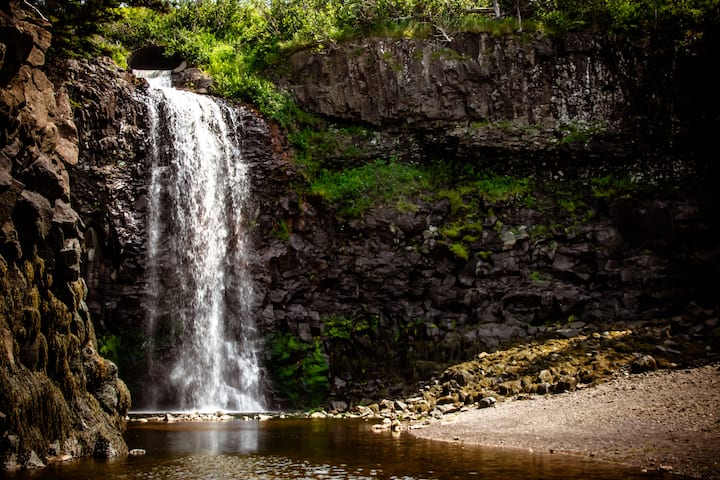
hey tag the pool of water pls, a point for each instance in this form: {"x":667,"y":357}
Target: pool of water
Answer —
{"x":316,"y":449}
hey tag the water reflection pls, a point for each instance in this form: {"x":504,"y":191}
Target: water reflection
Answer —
{"x":317,"y":449}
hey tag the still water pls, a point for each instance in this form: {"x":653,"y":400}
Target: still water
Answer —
{"x":316,"y":449}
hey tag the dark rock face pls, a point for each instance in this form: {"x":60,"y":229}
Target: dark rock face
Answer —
{"x":372,"y":303}
{"x":535,"y":101}
{"x":57,"y":395}
{"x":387,"y":296}
{"x":413,"y":306}
{"x":109,"y":187}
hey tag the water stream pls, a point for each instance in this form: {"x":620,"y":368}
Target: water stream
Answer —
{"x":200,"y":332}
{"x":319,"y":449}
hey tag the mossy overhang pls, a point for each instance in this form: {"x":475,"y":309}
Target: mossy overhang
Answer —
{"x":155,"y":57}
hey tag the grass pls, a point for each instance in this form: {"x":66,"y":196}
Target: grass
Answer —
{"x":355,"y":190}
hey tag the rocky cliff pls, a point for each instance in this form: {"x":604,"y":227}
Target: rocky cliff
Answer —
{"x":59,"y":398}
{"x":363,"y":306}
{"x":397,"y":294}
{"x":528,"y":100}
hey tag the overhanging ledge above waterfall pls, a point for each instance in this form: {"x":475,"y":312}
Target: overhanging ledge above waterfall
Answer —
{"x":154,"y":57}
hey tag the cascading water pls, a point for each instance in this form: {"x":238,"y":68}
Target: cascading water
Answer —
{"x":199,"y":291}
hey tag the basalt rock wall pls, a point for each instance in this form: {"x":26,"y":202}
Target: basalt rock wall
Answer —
{"x":109,"y":187}
{"x":58,"y":397}
{"x":393,"y":296}
{"x":532,"y":101}
{"x":364,"y":306}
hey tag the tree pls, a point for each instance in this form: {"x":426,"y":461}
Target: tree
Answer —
{"x":76,"y":22}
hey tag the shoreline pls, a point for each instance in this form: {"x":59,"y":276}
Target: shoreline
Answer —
{"x":666,"y":420}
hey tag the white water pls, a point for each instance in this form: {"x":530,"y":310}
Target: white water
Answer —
{"x":199,"y":291}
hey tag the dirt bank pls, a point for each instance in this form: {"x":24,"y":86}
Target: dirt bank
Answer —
{"x":668,"y":418}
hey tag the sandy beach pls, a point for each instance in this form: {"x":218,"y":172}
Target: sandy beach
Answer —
{"x":663,"y":420}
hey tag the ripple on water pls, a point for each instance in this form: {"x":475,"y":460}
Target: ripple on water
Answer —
{"x":222,"y":467}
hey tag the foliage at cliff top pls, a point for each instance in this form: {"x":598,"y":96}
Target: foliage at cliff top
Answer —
{"x":237,"y":40}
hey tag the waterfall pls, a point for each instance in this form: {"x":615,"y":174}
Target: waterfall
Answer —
{"x":199,"y":291}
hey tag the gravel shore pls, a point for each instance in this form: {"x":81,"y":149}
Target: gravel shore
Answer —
{"x":667,"y":419}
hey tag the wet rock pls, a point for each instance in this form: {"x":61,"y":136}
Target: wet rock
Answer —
{"x":192,"y":79}
{"x":33,"y":461}
{"x":107,"y":448}
{"x":364,"y":411}
{"x":137,"y":452}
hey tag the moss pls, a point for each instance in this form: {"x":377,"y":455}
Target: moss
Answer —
{"x":445,"y":54}
{"x":344,"y":327}
{"x":390,"y":60}
{"x":460,"y":251}
{"x":281,"y":230}
{"x":536,"y":276}
{"x":612,"y":186}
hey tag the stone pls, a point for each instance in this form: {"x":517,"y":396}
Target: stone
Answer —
{"x":544,"y":388}
{"x":338,"y":405}
{"x":106,"y":448}
{"x":10,"y":246}
{"x":304,"y":332}
{"x":565,"y":383}
{"x":137,"y":452}
{"x":486,"y":402}
{"x":545,"y":376}
{"x":644,"y":363}
{"x":364,"y":411}
{"x":33,"y":461}
{"x":108,"y":397}
{"x":44,"y":176}
{"x":192,"y":79}
{"x":32,"y":216}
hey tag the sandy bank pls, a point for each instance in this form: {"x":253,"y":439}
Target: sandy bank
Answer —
{"x":662,"y":418}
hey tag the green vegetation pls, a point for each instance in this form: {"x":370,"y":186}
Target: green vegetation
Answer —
{"x":342,"y":327}
{"x":281,"y":230}
{"x":110,"y":347}
{"x":496,"y":188}
{"x":536,"y":276}
{"x":356,"y":189}
{"x":127,"y":348}
{"x":611,"y":186}
{"x":578,"y":133}
{"x":460,"y":251}
{"x":300,"y":369}
{"x":319,"y":147}
{"x":239,"y":42}
{"x":259,"y":32}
